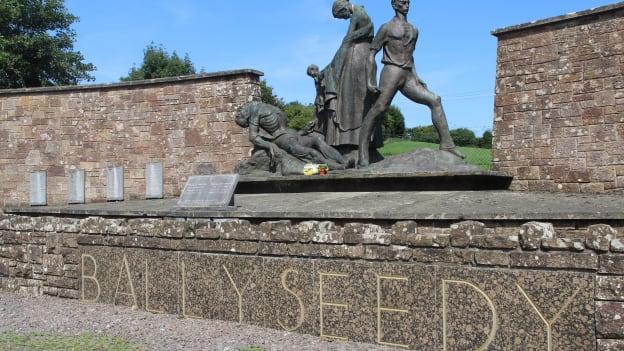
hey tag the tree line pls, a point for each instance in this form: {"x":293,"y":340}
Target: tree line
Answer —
{"x":461,"y":136}
{"x":37,"y":49}
{"x":300,"y":115}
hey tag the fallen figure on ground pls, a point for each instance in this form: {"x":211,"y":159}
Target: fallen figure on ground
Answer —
{"x":287,"y":150}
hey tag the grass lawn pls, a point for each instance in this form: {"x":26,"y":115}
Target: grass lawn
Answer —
{"x":474,"y":156}
{"x":53,"y":342}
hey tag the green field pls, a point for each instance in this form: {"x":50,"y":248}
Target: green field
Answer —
{"x":53,"y":342}
{"x":474,"y":156}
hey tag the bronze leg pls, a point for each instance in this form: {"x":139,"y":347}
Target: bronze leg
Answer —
{"x":392,"y":78}
{"x":416,"y":92}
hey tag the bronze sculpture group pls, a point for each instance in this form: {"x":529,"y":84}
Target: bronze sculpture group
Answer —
{"x":349,"y":104}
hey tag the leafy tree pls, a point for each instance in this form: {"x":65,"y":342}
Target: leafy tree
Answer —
{"x":464,"y":137}
{"x":37,"y":45}
{"x":426,"y":134}
{"x":299,"y":115}
{"x":393,"y":123}
{"x":485,"y":141}
{"x":268,"y":97}
{"x":158,"y":63}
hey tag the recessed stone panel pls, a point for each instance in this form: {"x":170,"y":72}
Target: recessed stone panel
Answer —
{"x":291,"y":297}
{"x":405,"y":305}
{"x":148,"y":280}
{"x":515,"y":310}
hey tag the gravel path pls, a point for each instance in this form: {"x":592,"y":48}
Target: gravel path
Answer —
{"x":23,"y":314}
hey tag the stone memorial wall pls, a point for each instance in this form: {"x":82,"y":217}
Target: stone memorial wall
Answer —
{"x":185,"y":123}
{"x":559,"y":111}
{"x":499,"y":285}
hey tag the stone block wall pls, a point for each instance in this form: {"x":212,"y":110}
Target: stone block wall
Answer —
{"x":559,"y":110}
{"x":186,"y":123}
{"x":437,"y":285}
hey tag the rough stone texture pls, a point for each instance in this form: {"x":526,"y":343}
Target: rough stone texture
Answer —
{"x":187,"y":125}
{"x":610,"y":345}
{"x":462,"y":233}
{"x":564,"y":244}
{"x":612,"y":264}
{"x":609,"y":316}
{"x":559,"y":106}
{"x":269,"y":273}
{"x":40,"y":261}
{"x":599,"y":237}
{"x":422,"y":160}
{"x":554,"y":260}
{"x":610,"y":288}
{"x":532,"y":234}
{"x":492,"y":258}
{"x":358,"y":233}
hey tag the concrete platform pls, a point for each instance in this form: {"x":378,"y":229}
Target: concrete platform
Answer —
{"x":439,"y":205}
{"x":364,"y":181}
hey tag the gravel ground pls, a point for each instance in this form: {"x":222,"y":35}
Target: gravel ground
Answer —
{"x":24,"y":314}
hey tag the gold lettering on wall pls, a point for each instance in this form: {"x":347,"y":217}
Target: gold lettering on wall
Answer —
{"x":125,"y":267}
{"x":183,"y":273}
{"x":301,"y":316}
{"x":239,"y":293}
{"x":323,"y":304}
{"x":493,"y":330}
{"x":548,"y":323}
{"x":147,"y":308}
{"x":92,"y":278}
{"x":381,"y":309}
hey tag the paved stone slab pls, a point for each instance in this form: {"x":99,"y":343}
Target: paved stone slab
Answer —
{"x":449,"y":205}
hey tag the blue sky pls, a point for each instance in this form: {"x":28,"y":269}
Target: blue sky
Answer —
{"x":456,"y":55}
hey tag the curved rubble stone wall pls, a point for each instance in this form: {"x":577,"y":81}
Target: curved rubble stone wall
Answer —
{"x":185,"y":123}
{"x":559,"y":110}
{"x":502,"y":285}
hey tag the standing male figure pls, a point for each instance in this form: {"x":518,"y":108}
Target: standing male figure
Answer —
{"x":398,"y":40}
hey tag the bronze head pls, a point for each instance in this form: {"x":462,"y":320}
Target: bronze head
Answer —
{"x":313,"y":71}
{"x":341,"y":9}
{"x":401,"y":6}
{"x":243,"y":114}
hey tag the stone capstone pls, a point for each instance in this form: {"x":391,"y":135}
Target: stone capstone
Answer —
{"x":532,"y":234}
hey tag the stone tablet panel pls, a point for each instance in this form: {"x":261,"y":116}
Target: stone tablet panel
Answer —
{"x":39,"y":188}
{"x":77,"y":178}
{"x":209,"y":191}
{"x":154,"y":181}
{"x":412,"y":306}
{"x":115,"y":184}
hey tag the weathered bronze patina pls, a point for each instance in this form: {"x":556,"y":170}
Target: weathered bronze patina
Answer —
{"x":398,"y":40}
{"x":288,"y":150}
{"x":342,"y":97}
